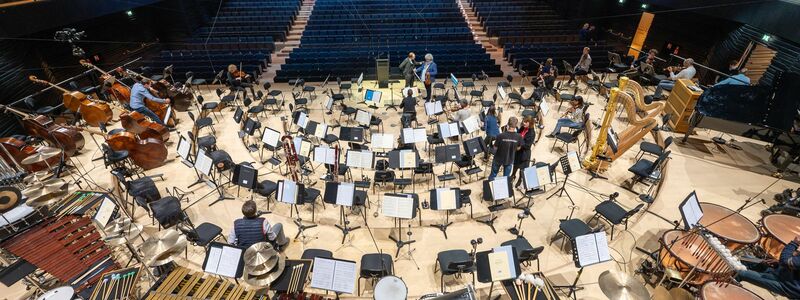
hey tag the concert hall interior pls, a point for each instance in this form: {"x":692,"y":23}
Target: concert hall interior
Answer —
{"x":380,"y":149}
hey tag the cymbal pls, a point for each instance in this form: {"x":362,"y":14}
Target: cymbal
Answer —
{"x":259,"y":254}
{"x":121,"y":229}
{"x":163,"y":247}
{"x":42,"y":154}
{"x":37,"y":177}
{"x":680,"y":294}
{"x":661,"y":293}
{"x":617,"y":285}
{"x":9,"y":198}
{"x":45,"y":192}
{"x":265,"y":279}
{"x":266,"y":267}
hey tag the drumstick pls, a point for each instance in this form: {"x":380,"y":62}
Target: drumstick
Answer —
{"x":97,"y":288}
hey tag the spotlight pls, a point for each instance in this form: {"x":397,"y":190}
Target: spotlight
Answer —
{"x":766,"y":37}
{"x":129,"y":13}
{"x":621,"y":1}
{"x":644,"y":5}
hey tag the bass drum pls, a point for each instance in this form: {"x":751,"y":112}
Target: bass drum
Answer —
{"x":714,"y":290}
{"x":390,"y":288}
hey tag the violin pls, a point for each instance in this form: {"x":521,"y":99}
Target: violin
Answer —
{"x":94,"y":113}
{"x":20,"y":150}
{"x":147,"y":153}
{"x":118,"y":90}
{"x":427,"y":78}
{"x":68,"y":139}
{"x":161,"y":90}
{"x":136,"y":123}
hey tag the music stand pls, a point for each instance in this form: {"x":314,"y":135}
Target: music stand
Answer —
{"x":245,"y":175}
{"x":589,"y":249}
{"x":316,"y":129}
{"x":250,"y":127}
{"x":290,"y":282}
{"x":383,"y":141}
{"x":336,"y":275}
{"x":204,"y":165}
{"x":447,"y":154}
{"x":691,"y":211}
{"x":402,"y":160}
{"x":413,"y":135}
{"x":185,"y":151}
{"x":569,"y":163}
{"x":495,"y":190}
{"x":291,"y":193}
{"x":505,"y":266}
{"x":446,"y":199}
{"x":534,"y":179}
{"x":474,"y":146}
{"x":447,"y":130}
{"x":360,"y":159}
{"x":342,"y":194}
{"x":400,"y":207}
{"x":270,"y":139}
{"x":351,"y":134}
{"x":215,"y":261}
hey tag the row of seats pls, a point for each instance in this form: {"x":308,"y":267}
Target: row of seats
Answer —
{"x":570,"y":53}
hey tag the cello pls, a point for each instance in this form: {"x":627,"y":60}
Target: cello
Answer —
{"x":120,"y":91}
{"x":94,"y":113}
{"x":136,"y":122}
{"x":68,"y":139}
{"x":147,"y":153}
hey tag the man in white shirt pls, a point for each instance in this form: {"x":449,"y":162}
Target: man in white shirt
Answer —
{"x":688,"y":72}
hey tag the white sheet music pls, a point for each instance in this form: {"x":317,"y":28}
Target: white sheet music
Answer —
{"x":203,"y":163}
{"x":574,"y":161}
{"x":499,"y":187}
{"x":432,"y":108}
{"x":544,"y":107}
{"x":502,"y":92}
{"x":383,"y":140}
{"x":328,"y":103}
{"x":691,"y":211}
{"x":302,"y":147}
{"x":184,"y":146}
{"x":398,"y":206}
{"x":223,"y":261}
{"x":363,"y":117}
{"x":445,"y":198}
{"x":287,"y":192}
{"x":325,"y":155}
{"x":447,"y":130}
{"x":334,"y":275}
{"x":472,"y":124}
{"x":104,"y":212}
{"x":214,"y":253}
{"x":270,"y":137}
{"x":321,"y":130}
{"x":344,"y":194}
{"x":302,"y":120}
{"x":359,"y":159}
{"x":592,"y":248}
{"x":414,"y":91}
{"x":408,"y":159}
{"x":501,"y":263}
{"x":543,"y":174}
{"x":414,"y":135}
{"x":530,"y":178}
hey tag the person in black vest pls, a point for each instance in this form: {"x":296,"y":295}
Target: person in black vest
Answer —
{"x":522,"y":159}
{"x":506,"y":145}
{"x":251,"y":229}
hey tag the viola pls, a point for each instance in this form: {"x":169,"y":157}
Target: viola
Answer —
{"x":118,"y":90}
{"x":68,"y":139}
{"x":147,"y":153}
{"x":94,"y":113}
{"x":19,"y":151}
{"x":136,"y":122}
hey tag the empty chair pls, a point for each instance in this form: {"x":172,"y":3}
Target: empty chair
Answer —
{"x":454,"y":262}
{"x":201,"y":123}
{"x":374,"y":266}
{"x":653,"y":148}
{"x":615,"y":214}
{"x":525,"y":252}
{"x":643,"y":170}
{"x":571,"y":228}
{"x":201,"y":235}
{"x":312,"y":253}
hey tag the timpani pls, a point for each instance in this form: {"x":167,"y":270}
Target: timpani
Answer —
{"x":714,"y":290}
{"x":778,"y":230}
{"x":732,"y":228}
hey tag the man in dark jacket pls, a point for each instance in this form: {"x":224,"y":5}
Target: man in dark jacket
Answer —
{"x":251,"y":229}
{"x":781,"y":276}
{"x":407,"y":67}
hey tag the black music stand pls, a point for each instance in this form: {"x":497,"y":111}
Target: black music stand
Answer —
{"x":245,"y":175}
{"x":585,"y":256}
{"x":212,"y":261}
{"x":490,"y":195}
{"x":271,"y":140}
{"x":399,"y":216}
{"x":351,"y":134}
{"x":485,"y":272}
{"x":286,"y":282}
{"x":436,"y":205}
{"x":326,"y":278}
{"x":398,"y":163}
{"x":342,"y":194}
{"x":534,"y":185}
{"x":447,"y":154}
{"x":250,"y":128}
{"x":567,"y":169}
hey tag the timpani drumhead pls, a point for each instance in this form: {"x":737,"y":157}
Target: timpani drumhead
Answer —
{"x":721,"y":290}
{"x":390,"y":288}
{"x":60,"y":293}
{"x":733,"y":226}
{"x":783,"y":227}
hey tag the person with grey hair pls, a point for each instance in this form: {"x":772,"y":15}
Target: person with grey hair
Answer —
{"x":462,"y":112}
{"x":427,"y":73}
{"x":688,"y":72}
{"x":505,"y":147}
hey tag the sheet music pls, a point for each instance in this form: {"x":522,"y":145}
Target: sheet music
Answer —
{"x":372,"y":97}
{"x":544,"y":107}
{"x":203,"y":163}
{"x":543,"y":174}
{"x":499,"y":187}
{"x":325,"y":155}
{"x":398,"y":206}
{"x":445,"y":198}
{"x":302,"y":120}
{"x":104,"y":212}
{"x":223,"y":261}
{"x":360,"y":79}
{"x":302,"y":147}
{"x":359,"y":159}
{"x":691,"y":211}
{"x":334,"y":275}
{"x":212,"y":263}
{"x":414,"y":135}
{"x":592,"y":248}
{"x":530,"y":178}
{"x":502,"y":92}
{"x":183,"y":148}
{"x":408,"y":159}
{"x":447,"y":130}
{"x":320,"y":130}
{"x":328,"y":103}
{"x":383,"y":140}
{"x":414,"y":91}
{"x":287,"y":192}
{"x":508,"y":251}
{"x":270,"y":137}
{"x":432,"y":108}
{"x":574,"y":161}
{"x":363,"y":117}
{"x":344,"y":194}
{"x":471,"y":124}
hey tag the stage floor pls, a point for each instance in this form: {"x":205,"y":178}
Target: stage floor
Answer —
{"x":718,"y":174}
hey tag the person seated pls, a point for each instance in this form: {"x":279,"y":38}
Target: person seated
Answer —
{"x":738,"y":79}
{"x":252,"y":229}
{"x":462,"y":112}
{"x":409,"y":106}
{"x":572,"y":118}
{"x":583,"y":67}
{"x":547,"y":74}
{"x":636,"y":69}
{"x":688,"y":72}
{"x":780,"y":276}
{"x":239,"y":79}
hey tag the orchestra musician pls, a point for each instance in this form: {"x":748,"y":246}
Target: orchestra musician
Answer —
{"x":522,"y":159}
{"x":572,"y":118}
{"x":427,"y":72}
{"x":637,"y":68}
{"x":252,"y":229}
{"x":506,"y":146}
{"x":780,"y":276}
{"x":667,"y":84}
{"x":583,"y":66}
{"x":407,"y":68}
{"x":491,"y":125}
{"x":547,"y":74}
{"x":238,"y":78}
{"x":738,"y":79}
{"x":141,"y":91}
{"x":409,"y":106}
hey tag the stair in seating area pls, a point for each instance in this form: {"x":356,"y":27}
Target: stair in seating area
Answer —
{"x":490,"y":44}
{"x":284,"y":49}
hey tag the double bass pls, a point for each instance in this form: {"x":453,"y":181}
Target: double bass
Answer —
{"x":147,"y":153}
{"x":94,"y":113}
{"x":136,"y":123}
{"x":180,"y":96}
{"x":68,"y":139}
{"x":162,"y":110}
{"x":118,"y":90}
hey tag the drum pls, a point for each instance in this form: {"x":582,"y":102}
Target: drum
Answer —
{"x":690,"y":251}
{"x":60,"y":293}
{"x":777,"y":231}
{"x":15,"y":215}
{"x":723,"y":290}
{"x":732,"y":228}
{"x":390,"y":288}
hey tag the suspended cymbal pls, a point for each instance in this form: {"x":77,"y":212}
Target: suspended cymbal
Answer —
{"x":621,"y":286}
{"x":46,"y":192}
{"x":120,"y":229}
{"x":163,"y":247}
{"x":661,"y":293}
{"x":42,"y":154}
{"x":37,"y":177}
{"x":265,"y":279}
{"x":9,"y":198}
{"x":680,"y":294}
{"x":272,"y":261}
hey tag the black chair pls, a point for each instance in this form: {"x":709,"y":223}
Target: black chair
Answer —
{"x":476,"y":94}
{"x":615,"y":214}
{"x":425,"y":168}
{"x":201,"y":123}
{"x":374,"y":266}
{"x":454,"y":262}
{"x":525,"y":252}
{"x":643,"y":169}
{"x":167,"y":211}
{"x":653,"y":148}
{"x":568,"y":138}
{"x":115,"y":159}
{"x":207,"y":143}
{"x":571,"y":228}
{"x":310,"y":196}
{"x":44,"y":110}
{"x":561,"y":97}
{"x":344,"y":87}
{"x":201,"y":235}
{"x":206,"y":107}
{"x":266,"y":189}
{"x":192,"y":82}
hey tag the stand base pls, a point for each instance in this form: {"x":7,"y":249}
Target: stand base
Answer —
{"x":489,"y":222}
{"x":346,"y":230}
{"x":400,"y":243}
{"x":443,"y":227}
{"x":560,"y":192}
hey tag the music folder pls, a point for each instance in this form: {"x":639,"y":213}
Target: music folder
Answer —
{"x":224,"y":260}
{"x":399,"y":206}
{"x":325,"y":155}
{"x":251,"y":125}
{"x":245,"y":175}
{"x":203,"y":163}
{"x":570,"y":163}
{"x":351,"y":134}
{"x":403,"y":159}
{"x":383,"y":140}
{"x":270,"y":137}
{"x":339,"y":193}
{"x":414,"y":92}
{"x":474,"y":146}
{"x":237,"y":116}
{"x":328,"y":103}
{"x":290,"y":192}
{"x":300,"y":118}
{"x":359,"y":159}
{"x":334,"y":275}
{"x":302,"y":146}
{"x":691,"y":211}
{"x":502,"y":92}
{"x":372,"y":97}
{"x":534,"y":177}
{"x":591,"y":249}
{"x":447,"y":130}
{"x":413,"y":135}
{"x":500,"y":188}
{"x":503,"y":263}
{"x":184,"y":149}
{"x":433,"y":108}
{"x":544,"y":107}
{"x":471,"y":124}
{"x":445,"y":198}
{"x":447,"y":153}
{"x":363,"y":117}
{"x":316,"y":129}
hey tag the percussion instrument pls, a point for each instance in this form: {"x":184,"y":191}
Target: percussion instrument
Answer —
{"x":680,"y":294}
{"x":724,"y":290}
{"x":182,"y":283}
{"x":661,"y":293}
{"x":41,"y":155}
{"x":163,"y":247}
{"x":735,"y":230}
{"x":260,"y":258}
{"x":268,"y":275}
{"x":37,"y":177}
{"x":94,"y":113}
{"x":617,"y":285}
{"x":692,"y":256}
{"x":46,"y":192}
{"x":59,"y":293}
{"x":16,"y":214}
{"x":43,"y":127}
{"x":19,"y":151}
{"x":390,"y":288}
{"x":121,"y":230}
{"x":9,"y":198}
{"x":777,"y":231}
{"x":137,"y":123}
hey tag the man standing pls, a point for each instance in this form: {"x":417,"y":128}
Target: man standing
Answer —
{"x":427,"y":73}
{"x":667,"y":84}
{"x":407,"y":68}
{"x":506,"y":145}
{"x":139,"y":92}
